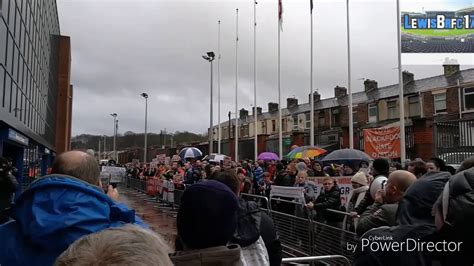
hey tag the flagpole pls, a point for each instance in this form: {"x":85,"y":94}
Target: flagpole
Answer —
{"x":349,"y":91}
{"x":401,"y":104}
{"x":311,"y":97}
{"x":219,"y":87}
{"x":236,"y":87}
{"x":280,"y":136}
{"x":255,"y":77}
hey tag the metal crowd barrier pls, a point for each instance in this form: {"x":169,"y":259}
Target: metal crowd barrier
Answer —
{"x":334,"y":258}
{"x":262,"y":201}
{"x":301,"y":236}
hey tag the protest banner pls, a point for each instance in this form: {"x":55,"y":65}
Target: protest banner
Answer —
{"x":382,"y":142}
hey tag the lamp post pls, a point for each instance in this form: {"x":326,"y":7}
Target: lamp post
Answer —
{"x":114,"y":115}
{"x":210,"y":57}
{"x":145,"y":95}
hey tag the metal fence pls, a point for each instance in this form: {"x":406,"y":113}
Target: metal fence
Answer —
{"x":454,"y":140}
{"x":302,"y":238}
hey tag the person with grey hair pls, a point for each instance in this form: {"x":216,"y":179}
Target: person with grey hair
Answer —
{"x":58,"y":209}
{"x":126,"y":245}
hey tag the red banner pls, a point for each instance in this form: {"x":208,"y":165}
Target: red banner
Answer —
{"x":382,"y":142}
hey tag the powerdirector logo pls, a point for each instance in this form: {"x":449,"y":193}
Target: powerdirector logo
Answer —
{"x":387,"y":244}
{"x":438,"y":31}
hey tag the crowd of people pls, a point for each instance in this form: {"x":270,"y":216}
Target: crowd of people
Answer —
{"x":67,"y":218}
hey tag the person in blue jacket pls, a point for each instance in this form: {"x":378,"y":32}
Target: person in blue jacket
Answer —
{"x":58,"y":209}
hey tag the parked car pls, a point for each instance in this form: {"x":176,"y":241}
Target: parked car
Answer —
{"x":455,"y":159}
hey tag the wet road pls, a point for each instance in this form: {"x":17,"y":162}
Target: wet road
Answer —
{"x":161,"y":219}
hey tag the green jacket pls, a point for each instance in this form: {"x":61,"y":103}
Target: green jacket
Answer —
{"x":377,"y":215}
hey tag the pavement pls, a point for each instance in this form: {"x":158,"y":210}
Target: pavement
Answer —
{"x":160,"y":218}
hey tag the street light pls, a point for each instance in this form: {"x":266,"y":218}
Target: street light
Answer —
{"x":114,"y":115}
{"x":210,"y":57}
{"x":144,"y":95}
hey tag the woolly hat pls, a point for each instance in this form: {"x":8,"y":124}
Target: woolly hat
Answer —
{"x":208,"y":215}
{"x":360,"y":178}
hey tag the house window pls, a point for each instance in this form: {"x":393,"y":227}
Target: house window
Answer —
{"x":392,"y":109}
{"x":283,"y":125}
{"x":264,"y":128}
{"x":273,"y":125}
{"x":372,"y":113}
{"x":308,"y":120}
{"x":335,"y":117}
{"x":295,"y":122}
{"x":322,"y":121}
{"x":440,"y":103}
{"x":414,"y":103}
{"x":468,"y":98}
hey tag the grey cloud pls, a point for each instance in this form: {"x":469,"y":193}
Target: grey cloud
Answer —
{"x":123,"y":48}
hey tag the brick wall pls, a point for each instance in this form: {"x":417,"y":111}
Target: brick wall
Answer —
{"x":344,"y":116}
{"x":297,"y":139}
{"x":362,"y":114}
{"x":428,"y":104}
{"x":452,"y":100}
{"x":424,"y":141}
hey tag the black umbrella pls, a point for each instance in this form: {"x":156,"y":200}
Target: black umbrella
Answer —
{"x":347,"y":156}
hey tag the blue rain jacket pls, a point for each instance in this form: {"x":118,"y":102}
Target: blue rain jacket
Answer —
{"x":51,"y":214}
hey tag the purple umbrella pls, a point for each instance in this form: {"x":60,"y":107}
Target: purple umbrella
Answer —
{"x":268,"y":156}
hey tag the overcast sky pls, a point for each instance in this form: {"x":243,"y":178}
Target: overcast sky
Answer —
{"x":123,"y":48}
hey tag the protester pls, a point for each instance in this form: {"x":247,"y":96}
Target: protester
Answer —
{"x":282,"y":177}
{"x":394,"y":166}
{"x":204,"y":230}
{"x":329,"y":198}
{"x":309,"y":189}
{"x":454,"y":213}
{"x":347,"y":170}
{"x":414,"y":221}
{"x":58,"y":209}
{"x":380,"y":169}
{"x":123,"y":246}
{"x":8,"y":186}
{"x":384,"y":209}
{"x":316,"y":169}
{"x":466,"y":164}
{"x":359,"y":189}
{"x":253,"y":225}
{"x":436,"y":165}
{"x":417,"y":167}
{"x":257,"y":176}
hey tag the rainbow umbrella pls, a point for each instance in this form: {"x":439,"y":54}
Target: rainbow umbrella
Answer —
{"x":305,"y":151}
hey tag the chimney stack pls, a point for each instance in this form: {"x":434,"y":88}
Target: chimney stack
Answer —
{"x":407,"y":77}
{"x":316,"y":97}
{"x":340,"y":92}
{"x":259,"y":111}
{"x":370,"y":85}
{"x":243,"y":113}
{"x":451,"y":66}
{"x":272,"y":107}
{"x":291,"y":102}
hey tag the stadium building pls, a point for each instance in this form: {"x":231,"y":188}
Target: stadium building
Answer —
{"x":35,"y":90}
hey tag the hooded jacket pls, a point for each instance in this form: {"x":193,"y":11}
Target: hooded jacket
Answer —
{"x":414,"y":220}
{"x":254,"y":224}
{"x":52,"y":213}
{"x":456,"y":204}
